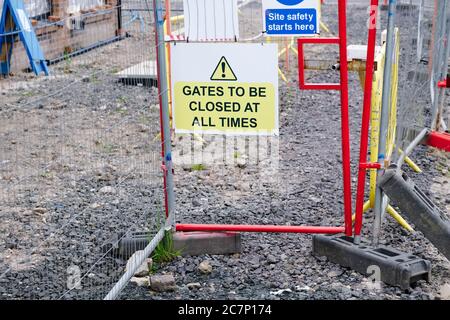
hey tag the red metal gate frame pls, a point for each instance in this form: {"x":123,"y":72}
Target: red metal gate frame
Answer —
{"x":345,"y":135}
{"x":440,"y":140}
{"x":365,"y":121}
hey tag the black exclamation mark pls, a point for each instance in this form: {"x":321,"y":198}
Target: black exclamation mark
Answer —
{"x":223,"y":69}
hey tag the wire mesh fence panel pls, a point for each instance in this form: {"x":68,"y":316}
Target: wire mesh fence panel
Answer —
{"x":423,"y":63}
{"x":80,"y":153}
{"x":294,"y":198}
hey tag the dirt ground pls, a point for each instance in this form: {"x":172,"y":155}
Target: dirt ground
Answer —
{"x":79,"y":163}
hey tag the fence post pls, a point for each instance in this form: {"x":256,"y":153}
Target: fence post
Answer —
{"x":439,"y":62}
{"x":420,"y":30}
{"x":438,"y":123}
{"x":163,"y":90}
{"x":380,"y":198}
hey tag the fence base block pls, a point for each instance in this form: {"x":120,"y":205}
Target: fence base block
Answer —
{"x":401,"y":7}
{"x":418,"y":208}
{"x":197,"y":243}
{"x":394,"y":267}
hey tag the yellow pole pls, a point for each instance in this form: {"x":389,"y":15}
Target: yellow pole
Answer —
{"x":377,"y":88}
{"x":367,"y":205}
{"x":177,"y":18}
{"x":413,"y":166}
{"x":411,"y":163}
{"x":166,"y":31}
{"x":281,"y":52}
{"x":283,"y":77}
{"x":321,"y":23}
{"x":391,"y":211}
{"x":394,"y":214}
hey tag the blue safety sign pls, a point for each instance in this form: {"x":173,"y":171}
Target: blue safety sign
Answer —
{"x":290,"y":2}
{"x":291,"y":17}
{"x":291,"y":21}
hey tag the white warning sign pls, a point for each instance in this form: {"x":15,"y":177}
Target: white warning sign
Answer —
{"x":223,"y":71}
{"x":225,"y":88}
{"x":211,"y":20}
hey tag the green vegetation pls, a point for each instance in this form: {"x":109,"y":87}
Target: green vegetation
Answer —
{"x":110,"y":148}
{"x":94,"y":79}
{"x":28,"y":93}
{"x":164,"y":251}
{"x":67,"y":62}
{"x":46,"y":175}
{"x":442,"y":167}
{"x":144,"y":119}
{"x":122,"y":111}
{"x":198,"y":167}
{"x":113,"y":70}
{"x":106,"y":147}
{"x":122,"y":99}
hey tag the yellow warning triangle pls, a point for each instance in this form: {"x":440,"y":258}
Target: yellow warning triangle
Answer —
{"x":223,"y":71}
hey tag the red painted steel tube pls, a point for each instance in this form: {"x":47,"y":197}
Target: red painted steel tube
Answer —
{"x":345,"y":128}
{"x":343,"y":87}
{"x":370,"y":165}
{"x":301,"y":64}
{"x":440,"y":140}
{"x":442,"y":84}
{"x":364,"y":137}
{"x":323,"y":40}
{"x":258,"y":228}
{"x":167,"y":17}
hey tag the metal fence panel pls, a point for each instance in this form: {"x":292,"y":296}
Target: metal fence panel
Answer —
{"x":79,"y":158}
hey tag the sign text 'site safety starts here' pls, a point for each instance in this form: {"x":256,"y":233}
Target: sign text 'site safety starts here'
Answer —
{"x":291,"y":18}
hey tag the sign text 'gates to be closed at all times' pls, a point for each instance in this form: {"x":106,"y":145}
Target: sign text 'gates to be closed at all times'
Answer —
{"x":225,"y":88}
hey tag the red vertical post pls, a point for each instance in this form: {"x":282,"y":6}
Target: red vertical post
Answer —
{"x":301,"y":65}
{"x":169,"y":61}
{"x":364,"y":138}
{"x":345,"y":128}
{"x":167,"y":17}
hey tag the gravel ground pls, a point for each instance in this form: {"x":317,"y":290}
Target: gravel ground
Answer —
{"x":54,"y":215}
